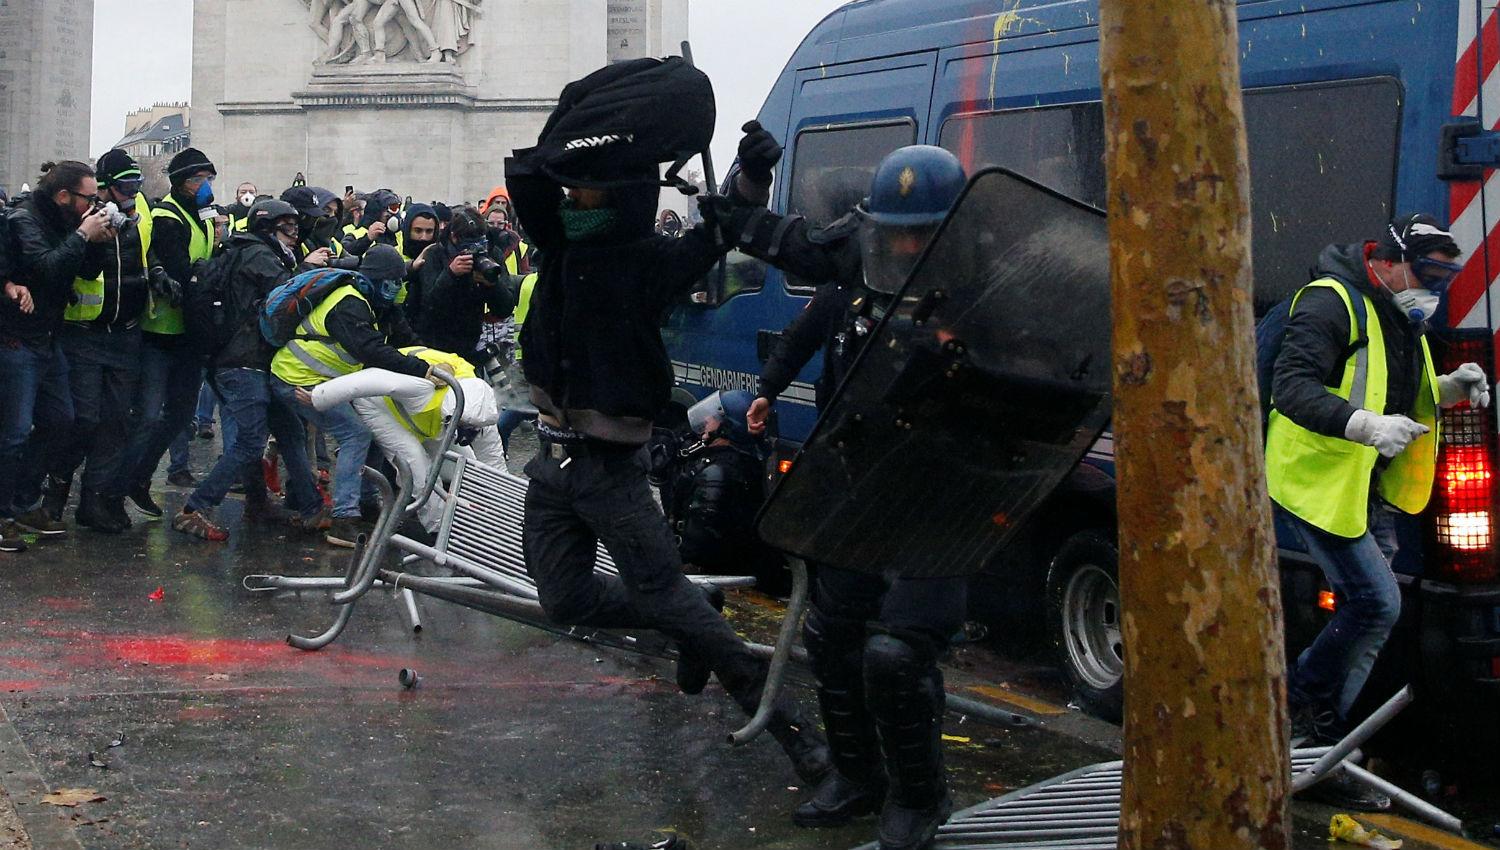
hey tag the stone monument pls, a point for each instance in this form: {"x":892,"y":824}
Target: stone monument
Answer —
{"x":46,"y":67}
{"x":426,"y":97}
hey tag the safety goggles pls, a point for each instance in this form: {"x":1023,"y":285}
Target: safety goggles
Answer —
{"x":128,"y":186}
{"x":1435,"y":275}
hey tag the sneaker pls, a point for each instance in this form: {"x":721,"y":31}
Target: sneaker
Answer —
{"x":319,"y":521}
{"x":37,"y":522}
{"x":1315,"y":727}
{"x":10,"y":537}
{"x":182,"y":478}
{"x":198,"y":525}
{"x":1345,"y":793}
{"x":141,"y":496}
{"x":344,"y":532}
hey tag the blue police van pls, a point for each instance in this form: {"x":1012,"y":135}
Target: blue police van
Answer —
{"x":1355,"y":110}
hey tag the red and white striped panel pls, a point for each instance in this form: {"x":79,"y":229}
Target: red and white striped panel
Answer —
{"x":1474,"y":213}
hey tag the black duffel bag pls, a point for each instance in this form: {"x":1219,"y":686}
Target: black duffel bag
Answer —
{"x":617,"y":125}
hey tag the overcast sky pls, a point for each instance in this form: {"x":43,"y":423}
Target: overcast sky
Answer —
{"x":143,"y":54}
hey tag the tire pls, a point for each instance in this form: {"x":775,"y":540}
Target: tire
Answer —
{"x":1084,"y":623}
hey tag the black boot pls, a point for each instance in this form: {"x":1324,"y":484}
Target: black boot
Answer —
{"x":904,"y":690}
{"x":91,"y":513}
{"x":141,"y":496}
{"x":115,"y":507}
{"x":55,"y":496}
{"x":693,"y":667}
{"x":802,"y":743}
{"x":856,"y":785}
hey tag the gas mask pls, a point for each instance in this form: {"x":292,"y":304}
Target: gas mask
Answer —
{"x":386,"y":291}
{"x":205,"y":194}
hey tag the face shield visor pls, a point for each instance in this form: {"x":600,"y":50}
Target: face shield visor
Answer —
{"x":891,"y":252}
{"x":707,"y":415}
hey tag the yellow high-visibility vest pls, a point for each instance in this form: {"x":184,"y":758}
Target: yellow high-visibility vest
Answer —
{"x":427,"y":423}
{"x":163,"y":318}
{"x":88,"y":295}
{"x":1325,"y":481}
{"x":312,"y":356}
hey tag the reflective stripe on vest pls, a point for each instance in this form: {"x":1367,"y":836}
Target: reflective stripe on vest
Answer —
{"x":163,"y":318}
{"x":356,"y":232}
{"x":427,"y":423}
{"x":1325,"y":481}
{"x":88,"y":295}
{"x":312,"y":356}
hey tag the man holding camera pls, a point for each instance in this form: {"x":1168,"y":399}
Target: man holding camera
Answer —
{"x":101,"y":338}
{"x":53,"y":231}
{"x":459,"y":283}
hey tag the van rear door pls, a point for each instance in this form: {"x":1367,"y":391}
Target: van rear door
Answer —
{"x":1473,"y":205}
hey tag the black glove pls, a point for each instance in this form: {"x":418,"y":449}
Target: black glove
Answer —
{"x":759,"y":153}
{"x":718,"y":214}
{"x":163,"y":286}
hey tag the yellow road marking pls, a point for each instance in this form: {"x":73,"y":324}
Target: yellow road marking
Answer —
{"x":1430,"y":835}
{"x":1018,"y":701}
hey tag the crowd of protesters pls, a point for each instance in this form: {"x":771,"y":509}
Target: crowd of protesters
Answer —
{"x":103,"y":371}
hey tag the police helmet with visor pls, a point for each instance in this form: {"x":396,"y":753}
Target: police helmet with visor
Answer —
{"x":912,"y":191}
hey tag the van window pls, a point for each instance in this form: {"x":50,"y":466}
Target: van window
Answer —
{"x":832,"y":171}
{"x":1322,"y":165}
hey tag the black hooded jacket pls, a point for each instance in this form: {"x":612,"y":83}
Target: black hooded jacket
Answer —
{"x":1317,"y":345}
{"x":376,"y":207}
{"x":452,"y":309}
{"x":49,"y":254}
{"x":260,"y":264}
{"x":594,"y":354}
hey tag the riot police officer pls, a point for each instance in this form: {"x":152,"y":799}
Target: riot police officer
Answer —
{"x":874,"y":644}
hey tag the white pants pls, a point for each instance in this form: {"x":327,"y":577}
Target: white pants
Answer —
{"x":398,"y":441}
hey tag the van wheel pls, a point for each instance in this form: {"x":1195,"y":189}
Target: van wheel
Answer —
{"x":1084,"y":622}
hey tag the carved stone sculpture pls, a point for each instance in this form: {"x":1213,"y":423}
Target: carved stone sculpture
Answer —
{"x":416,"y":30}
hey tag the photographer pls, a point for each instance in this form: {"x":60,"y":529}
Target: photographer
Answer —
{"x":52,"y":232}
{"x":459,"y":283}
{"x":101,"y":338}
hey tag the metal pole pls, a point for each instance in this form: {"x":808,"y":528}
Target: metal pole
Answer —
{"x":790,"y":623}
{"x":1407,"y":800}
{"x":409,"y":601}
{"x":1349,"y":743}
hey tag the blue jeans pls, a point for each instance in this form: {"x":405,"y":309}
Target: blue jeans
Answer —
{"x":247,"y":402}
{"x":353,"y":438}
{"x":1330,"y":673}
{"x":36,"y":415}
{"x":170,"y":379}
{"x":204,"y":415}
{"x":508,"y":422}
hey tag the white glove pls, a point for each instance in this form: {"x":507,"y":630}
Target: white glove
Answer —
{"x":1466,"y":382}
{"x":1390,"y":435}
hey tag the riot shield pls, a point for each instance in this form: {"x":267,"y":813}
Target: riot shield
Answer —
{"x":981,"y":389}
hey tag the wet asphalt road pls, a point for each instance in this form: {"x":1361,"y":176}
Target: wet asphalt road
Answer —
{"x":513,"y":739}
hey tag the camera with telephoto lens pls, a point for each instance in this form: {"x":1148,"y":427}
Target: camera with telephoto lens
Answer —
{"x":484,"y":265}
{"x":493,"y":360}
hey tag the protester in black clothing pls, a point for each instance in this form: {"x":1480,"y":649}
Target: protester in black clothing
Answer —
{"x":171,"y":372}
{"x":102,"y":340}
{"x":459,"y":284}
{"x":419,"y":232}
{"x":262,"y":258}
{"x":381,"y":221}
{"x":51,"y":234}
{"x":599,"y":374}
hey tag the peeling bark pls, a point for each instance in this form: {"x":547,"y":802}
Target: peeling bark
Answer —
{"x":1206,"y":761}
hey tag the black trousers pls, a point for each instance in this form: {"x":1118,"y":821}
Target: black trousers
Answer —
{"x":602,"y":495}
{"x":930,"y":610}
{"x":103,"y":370}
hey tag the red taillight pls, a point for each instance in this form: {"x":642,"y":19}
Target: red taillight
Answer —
{"x":1463,"y":503}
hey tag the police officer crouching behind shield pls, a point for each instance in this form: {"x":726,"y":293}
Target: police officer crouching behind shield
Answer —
{"x":599,"y":374}
{"x":874,"y":645}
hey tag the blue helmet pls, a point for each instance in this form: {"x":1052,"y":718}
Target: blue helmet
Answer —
{"x":727,"y":411}
{"x":915,"y":186}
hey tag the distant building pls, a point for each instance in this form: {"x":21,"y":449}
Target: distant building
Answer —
{"x":152,"y":136}
{"x":46,"y":69}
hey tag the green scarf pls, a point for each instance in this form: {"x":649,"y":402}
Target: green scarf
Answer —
{"x":583,"y":225}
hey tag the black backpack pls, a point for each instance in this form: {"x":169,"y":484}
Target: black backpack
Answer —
{"x":210,"y":313}
{"x":620,"y":122}
{"x":1270,"y":333}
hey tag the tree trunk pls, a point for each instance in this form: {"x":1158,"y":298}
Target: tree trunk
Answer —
{"x":1206,"y":761}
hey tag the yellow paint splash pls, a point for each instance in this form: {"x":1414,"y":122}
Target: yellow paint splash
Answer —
{"x":1006,"y":22}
